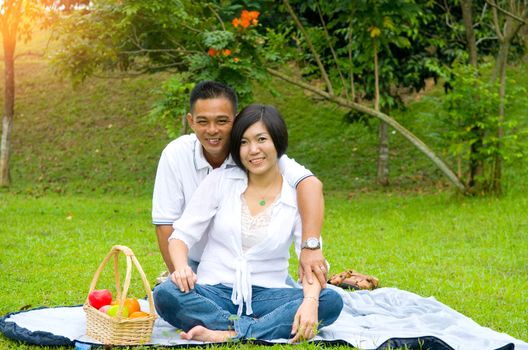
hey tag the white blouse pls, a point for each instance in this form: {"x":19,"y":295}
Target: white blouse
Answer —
{"x":216,"y":209}
{"x":182,"y":167}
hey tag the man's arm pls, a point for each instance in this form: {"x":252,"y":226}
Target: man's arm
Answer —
{"x":168,"y":197}
{"x":163,"y":233}
{"x":310,"y":201}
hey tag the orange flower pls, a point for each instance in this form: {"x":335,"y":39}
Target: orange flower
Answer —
{"x":245,"y":15}
{"x":245,"y":22}
{"x":246,"y":19}
{"x":226,"y":52}
{"x":236,"y":59}
{"x":212,"y":52}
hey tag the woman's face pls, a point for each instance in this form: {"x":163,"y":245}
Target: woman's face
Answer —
{"x":257,"y":151}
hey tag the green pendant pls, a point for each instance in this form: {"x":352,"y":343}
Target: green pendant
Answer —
{"x":262,"y":202}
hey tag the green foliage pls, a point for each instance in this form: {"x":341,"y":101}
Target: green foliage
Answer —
{"x":130,"y":35}
{"x":202,"y":40}
{"x":218,"y":39}
{"x":173,"y":106}
{"x":472,"y":123}
{"x":232,"y":57}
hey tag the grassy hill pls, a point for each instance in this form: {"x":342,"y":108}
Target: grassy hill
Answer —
{"x":97,"y":137}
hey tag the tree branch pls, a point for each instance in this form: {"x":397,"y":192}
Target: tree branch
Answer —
{"x":486,"y":38}
{"x":310,"y":45}
{"x":351,"y":73}
{"x":334,"y":55}
{"x":131,"y":74}
{"x":387,"y":119}
{"x":507,"y":13}
{"x":141,"y":50}
{"x":496,"y":22}
{"x":217,"y":16}
{"x":29,"y":53}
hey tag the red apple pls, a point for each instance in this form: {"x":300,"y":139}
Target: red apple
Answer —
{"x":100,"y":297}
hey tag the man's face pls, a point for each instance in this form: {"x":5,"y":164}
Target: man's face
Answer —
{"x":212,"y":121}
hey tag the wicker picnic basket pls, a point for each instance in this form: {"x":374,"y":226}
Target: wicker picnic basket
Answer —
{"x":119,"y":330}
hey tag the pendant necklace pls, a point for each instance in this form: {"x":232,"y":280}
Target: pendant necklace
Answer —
{"x":262,"y":201}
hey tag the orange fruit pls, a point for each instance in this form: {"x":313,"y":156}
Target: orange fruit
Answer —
{"x":132,"y":305}
{"x":138,"y":314}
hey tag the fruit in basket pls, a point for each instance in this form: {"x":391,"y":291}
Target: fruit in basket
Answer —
{"x":139,"y":314}
{"x":104,"y":308}
{"x":132,"y":304}
{"x":112,"y":311}
{"x":100,"y":297}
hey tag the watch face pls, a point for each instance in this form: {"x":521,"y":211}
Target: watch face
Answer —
{"x":312,"y":243}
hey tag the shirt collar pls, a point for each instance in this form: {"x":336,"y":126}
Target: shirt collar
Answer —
{"x":201,"y":163}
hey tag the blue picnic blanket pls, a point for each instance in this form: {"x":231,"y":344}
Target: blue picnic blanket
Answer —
{"x":378,"y":319}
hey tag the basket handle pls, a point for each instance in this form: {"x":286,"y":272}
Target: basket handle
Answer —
{"x":130,"y":259}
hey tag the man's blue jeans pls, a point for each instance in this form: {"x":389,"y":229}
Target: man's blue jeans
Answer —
{"x":210,"y":306}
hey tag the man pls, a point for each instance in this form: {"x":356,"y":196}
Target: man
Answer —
{"x":186,"y":161}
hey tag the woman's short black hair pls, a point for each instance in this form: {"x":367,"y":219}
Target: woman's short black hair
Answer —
{"x":252,"y":114}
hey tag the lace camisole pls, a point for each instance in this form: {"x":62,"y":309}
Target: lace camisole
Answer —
{"x":255,"y":228}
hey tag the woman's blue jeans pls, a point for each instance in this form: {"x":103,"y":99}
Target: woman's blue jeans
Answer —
{"x":210,"y":306}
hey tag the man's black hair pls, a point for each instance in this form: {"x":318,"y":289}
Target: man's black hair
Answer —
{"x":252,"y":114}
{"x":209,"y":89}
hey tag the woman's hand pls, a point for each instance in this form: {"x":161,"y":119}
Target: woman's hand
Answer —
{"x":306,"y":320}
{"x":184,"y":278}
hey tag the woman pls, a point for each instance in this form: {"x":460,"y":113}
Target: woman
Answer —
{"x":251,"y":214}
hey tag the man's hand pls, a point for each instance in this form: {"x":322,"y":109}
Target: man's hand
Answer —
{"x":312,"y":262}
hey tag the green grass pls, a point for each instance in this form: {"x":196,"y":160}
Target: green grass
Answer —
{"x":468,"y":253}
{"x":83,"y":167}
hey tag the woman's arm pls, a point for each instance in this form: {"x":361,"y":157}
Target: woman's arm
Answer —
{"x":183,"y":276}
{"x":307,"y":318}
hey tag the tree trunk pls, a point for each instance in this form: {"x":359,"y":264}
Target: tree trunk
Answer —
{"x":475,"y":163}
{"x":383,"y":132}
{"x":502,"y":61}
{"x":383,"y":154}
{"x":510,"y":28}
{"x":9,"y":108}
{"x":470,"y":33}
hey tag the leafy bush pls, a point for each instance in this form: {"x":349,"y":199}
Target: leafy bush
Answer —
{"x":471,"y":118}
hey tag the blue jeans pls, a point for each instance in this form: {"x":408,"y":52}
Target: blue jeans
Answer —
{"x":210,"y":306}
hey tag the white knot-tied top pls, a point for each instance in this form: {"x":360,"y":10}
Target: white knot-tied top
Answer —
{"x":216,"y":209}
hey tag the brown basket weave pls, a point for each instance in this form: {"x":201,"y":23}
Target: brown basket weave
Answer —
{"x":118,"y":330}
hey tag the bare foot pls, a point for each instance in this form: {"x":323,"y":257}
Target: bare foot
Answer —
{"x":201,"y":333}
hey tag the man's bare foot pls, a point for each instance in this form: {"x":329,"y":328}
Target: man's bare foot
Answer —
{"x":201,"y":333}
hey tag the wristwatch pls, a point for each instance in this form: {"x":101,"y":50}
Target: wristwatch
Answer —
{"x":311,"y":243}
